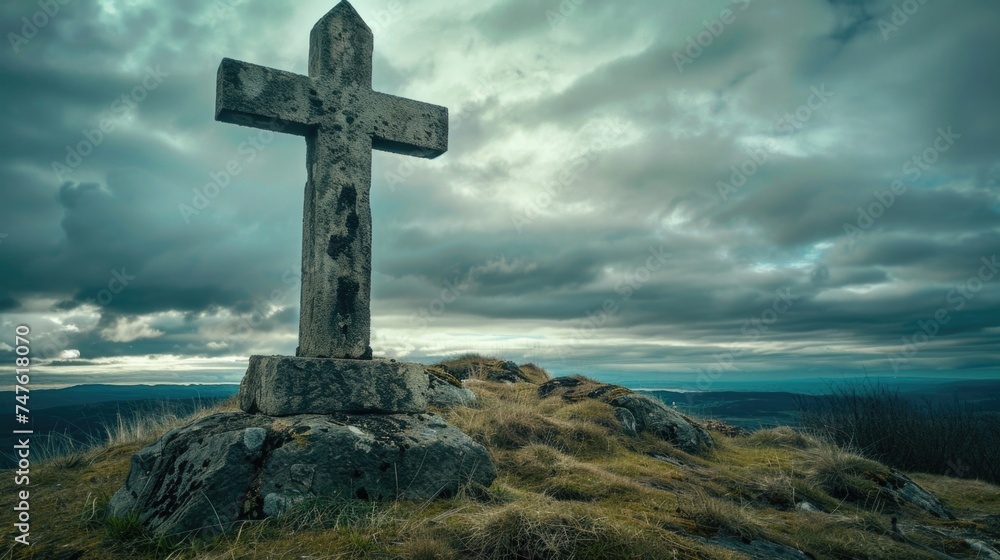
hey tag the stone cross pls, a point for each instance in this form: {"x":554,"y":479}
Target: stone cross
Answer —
{"x":343,"y":119}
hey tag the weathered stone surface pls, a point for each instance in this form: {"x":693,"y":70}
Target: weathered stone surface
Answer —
{"x":286,"y":385}
{"x":445,"y":391}
{"x":328,"y":423}
{"x":342,"y":119}
{"x":905,"y":490}
{"x":666,"y":423}
{"x":807,"y":506}
{"x":647,"y":414}
{"x":627,"y":421}
{"x":202,"y":478}
{"x":983,"y":550}
{"x":760,"y":549}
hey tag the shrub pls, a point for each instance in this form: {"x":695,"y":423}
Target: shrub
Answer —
{"x":887,"y":426}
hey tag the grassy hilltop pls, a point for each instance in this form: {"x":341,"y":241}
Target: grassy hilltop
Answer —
{"x":571,"y":484}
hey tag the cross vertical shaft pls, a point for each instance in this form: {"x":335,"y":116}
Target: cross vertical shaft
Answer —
{"x":342,"y":119}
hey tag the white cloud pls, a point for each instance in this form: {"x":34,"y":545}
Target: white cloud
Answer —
{"x":128,"y":329}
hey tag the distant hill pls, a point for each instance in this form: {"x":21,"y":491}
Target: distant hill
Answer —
{"x":764,"y":409}
{"x":81,"y":413}
{"x":747,"y":409}
{"x":42,"y":399}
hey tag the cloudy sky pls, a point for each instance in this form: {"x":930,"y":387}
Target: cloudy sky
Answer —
{"x":700,"y":187}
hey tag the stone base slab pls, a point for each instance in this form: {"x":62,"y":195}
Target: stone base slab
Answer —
{"x":289,"y":385}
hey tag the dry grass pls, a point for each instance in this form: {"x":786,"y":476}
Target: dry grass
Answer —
{"x":532,"y":531}
{"x":541,"y":529}
{"x":845,"y":475}
{"x":968,"y":498}
{"x":428,"y":548}
{"x":782,"y":436}
{"x":570,"y":485}
{"x":534,"y":374}
{"x":713,"y":515}
{"x":589,"y":411}
{"x":148,"y":428}
{"x":478,"y":367}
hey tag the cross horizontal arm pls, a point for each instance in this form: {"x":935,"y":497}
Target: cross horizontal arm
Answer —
{"x":261,"y":97}
{"x":404,"y":126}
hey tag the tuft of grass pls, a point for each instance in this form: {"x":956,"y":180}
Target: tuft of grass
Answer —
{"x":428,"y":548}
{"x":515,"y":417}
{"x":777,"y":490}
{"x":60,"y":450}
{"x":782,"y":436}
{"x":473,"y":357}
{"x":533,"y":532}
{"x":144,"y":429}
{"x":713,"y":516}
{"x":323,"y":514}
{"x":534,"y":374}
{"x":549,"y":472}
{"x":846,"y":475}
{"x":478,"y":371}
{"x":591,"y":411}
{"x":126,"y":528}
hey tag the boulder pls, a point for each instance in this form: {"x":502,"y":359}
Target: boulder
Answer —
{"x":205,"y":477}
{"x":444,"y":391}
{"x":636,"y":412}
{"x":666,"y":423}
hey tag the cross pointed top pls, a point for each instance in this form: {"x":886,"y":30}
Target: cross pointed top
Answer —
{"x":341,"y":40}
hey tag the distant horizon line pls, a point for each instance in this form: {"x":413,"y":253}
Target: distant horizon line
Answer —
{"x":632,"y":381}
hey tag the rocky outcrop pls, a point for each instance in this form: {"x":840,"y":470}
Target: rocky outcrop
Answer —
{"x":209,"y":475}
{"x":444,"y":391}
{"x":726,"y":429}
{"x":637,"y":413}
{"x":904,"y":490}
{"x":759,"y":549}
{"x":666,"y":423}
{"x":491,"y":369}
